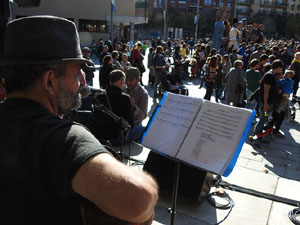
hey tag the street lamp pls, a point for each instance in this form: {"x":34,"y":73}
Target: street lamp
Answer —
{"x":197,"y":17}
{"x":165,"y":19}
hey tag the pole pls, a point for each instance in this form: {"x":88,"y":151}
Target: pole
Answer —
{"x":235,"y":9}
{"x":165,"y":19}
{"x":111,"y":22}
{"x":175,"y":192}
{"x":197,"y":21}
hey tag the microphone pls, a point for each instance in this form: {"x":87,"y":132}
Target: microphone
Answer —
{"x":87,"y":90}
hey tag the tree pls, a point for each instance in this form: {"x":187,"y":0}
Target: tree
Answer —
{"x":293,"y":26}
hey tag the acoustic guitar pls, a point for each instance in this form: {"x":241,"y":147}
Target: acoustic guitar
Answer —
{"x":92,"y":215}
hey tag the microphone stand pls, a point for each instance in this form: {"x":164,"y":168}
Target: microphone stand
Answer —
{"x":124,"y":126}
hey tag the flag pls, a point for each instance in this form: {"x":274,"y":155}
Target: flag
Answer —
{"x":113,"y":5}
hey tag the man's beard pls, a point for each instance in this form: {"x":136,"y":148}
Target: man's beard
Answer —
{"x":67,"y":101}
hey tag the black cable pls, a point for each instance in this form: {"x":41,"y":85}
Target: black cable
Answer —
{"x":271,"y":197}
{"x":293,"y":214}
{"x":213,"y":202}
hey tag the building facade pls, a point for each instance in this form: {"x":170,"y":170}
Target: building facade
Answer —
{"x":249,"y":8}
{"x":92,"y":17}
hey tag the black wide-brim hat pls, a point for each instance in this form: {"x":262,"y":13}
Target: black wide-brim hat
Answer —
{"x":41,"y":40}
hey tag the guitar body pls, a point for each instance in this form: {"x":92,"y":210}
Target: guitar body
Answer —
{"x":92,"y":215}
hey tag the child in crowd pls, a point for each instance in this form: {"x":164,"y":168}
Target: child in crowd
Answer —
{"x":194,"y":65}
{"x":286,"y":84}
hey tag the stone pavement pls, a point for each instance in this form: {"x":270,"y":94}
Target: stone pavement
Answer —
{"x":274,"y":168}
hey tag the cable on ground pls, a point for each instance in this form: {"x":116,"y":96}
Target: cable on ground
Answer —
{"x":221,"y":194}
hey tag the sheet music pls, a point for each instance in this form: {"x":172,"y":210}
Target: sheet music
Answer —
{"x":214,"y":136}
{"x":171,"y":124}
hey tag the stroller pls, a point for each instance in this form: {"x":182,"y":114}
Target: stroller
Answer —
{"x":172,"y":83}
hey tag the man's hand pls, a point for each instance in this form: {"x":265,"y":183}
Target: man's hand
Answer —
{"x":133,"y":103}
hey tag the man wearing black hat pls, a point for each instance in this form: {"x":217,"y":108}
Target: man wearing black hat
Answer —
{"x":47,"y":162}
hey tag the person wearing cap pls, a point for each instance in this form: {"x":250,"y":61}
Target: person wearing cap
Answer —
{"x":88,"y":68}
{"x":49,"y":163}
{"x":139,"y":95}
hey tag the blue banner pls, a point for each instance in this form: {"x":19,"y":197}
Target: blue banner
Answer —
{"x":113,"y":5}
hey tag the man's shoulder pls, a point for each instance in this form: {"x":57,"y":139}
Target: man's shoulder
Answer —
{"x":141,"y":89}
{"x":125,"y":95}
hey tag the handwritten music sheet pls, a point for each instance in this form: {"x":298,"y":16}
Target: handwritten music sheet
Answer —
{"x":214,"y":136}
{"x":171,"y":124}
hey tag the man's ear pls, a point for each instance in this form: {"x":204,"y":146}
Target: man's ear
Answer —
{"x":49,"y":81}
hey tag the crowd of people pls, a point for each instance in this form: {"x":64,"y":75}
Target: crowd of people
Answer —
{"x":233,"y":66}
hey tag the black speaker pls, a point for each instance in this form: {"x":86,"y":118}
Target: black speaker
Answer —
{"x":193,"y":184}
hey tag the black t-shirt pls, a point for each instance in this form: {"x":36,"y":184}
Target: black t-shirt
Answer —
{"x":39,"y":155}
{"x":105,"y":127}
{"x":269,"y":79}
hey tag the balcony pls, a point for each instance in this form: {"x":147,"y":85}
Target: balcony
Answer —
{"x":272,"y":13}
{"x":245,"y":1}
{"x":277,"y":4}
{"x":282,"y":4}
{"x":267,"y":3}
{"x":244,"y":11}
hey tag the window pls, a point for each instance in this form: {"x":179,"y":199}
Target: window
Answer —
{"x":172,"y":1}
{"x":207,"y":10}
{"x":93,"y":25}
{"x":261,"y":10}
{"x":182,"y":8}
{"x":193,"y":10}
{"x":140,"y":4}
{"x":229,"y":4}
{"x":155,"y":4}
{"x":160,"y":5}
{"x":182,"y":1}
{"x":279,"y":11}
{"x":269,"y":11}
{"x":242,"y":9}
{"x":207,"y":2}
